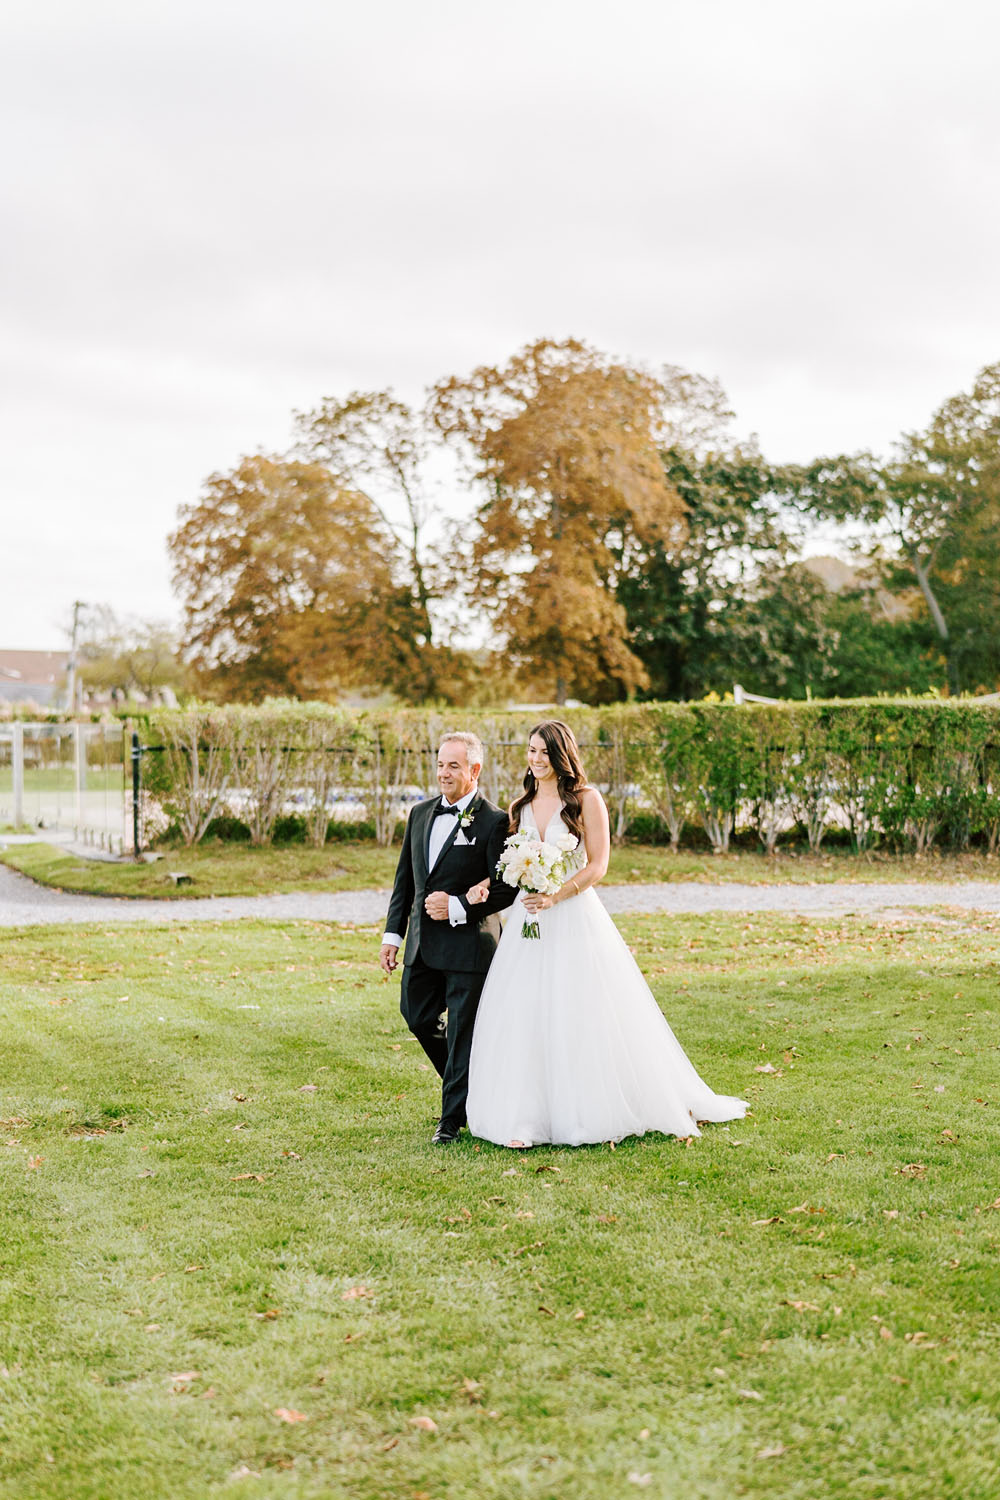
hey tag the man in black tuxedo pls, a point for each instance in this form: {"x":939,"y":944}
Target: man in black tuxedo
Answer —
{"x":452,"y":843}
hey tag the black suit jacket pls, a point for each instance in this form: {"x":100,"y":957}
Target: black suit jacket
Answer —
{"x":470,"y":947}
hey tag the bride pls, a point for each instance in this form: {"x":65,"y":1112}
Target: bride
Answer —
{"x":570,"y":1045}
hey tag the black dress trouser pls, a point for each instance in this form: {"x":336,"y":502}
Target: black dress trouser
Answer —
{"x":424,"y":994}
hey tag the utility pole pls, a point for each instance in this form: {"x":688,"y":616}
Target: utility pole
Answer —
{"x":71,"y":664}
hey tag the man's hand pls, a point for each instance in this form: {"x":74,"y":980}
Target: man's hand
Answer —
{"x":436,"y":906}
{"x":387,"y":957}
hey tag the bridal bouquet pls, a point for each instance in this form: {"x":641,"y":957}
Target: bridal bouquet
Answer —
{"x":531,"y":864}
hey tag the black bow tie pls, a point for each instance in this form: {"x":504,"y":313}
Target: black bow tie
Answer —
{"x":442,"y":809}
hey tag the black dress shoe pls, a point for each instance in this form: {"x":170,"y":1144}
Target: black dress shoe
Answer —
{"x":446,"y":1132}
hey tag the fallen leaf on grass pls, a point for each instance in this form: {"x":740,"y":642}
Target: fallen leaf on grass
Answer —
{"x":181,"y":1382}
{"x":885,"y":1333}
{"x":640,"y":1479}
{"x":425,"y":1424}
{"x":308,"y":1088}
{"x":34,"y":1161}
{"x":579,"y":1315}
{"x":546,"y":1168}
{"x":774,"y":1452}
{"x":800,"y":1306}
{"x":472,"y":1390}
{"x":151,"y":1328}
{"x":994,"y":1205}
{"x":912,"y":1169}
{"x":750,"y":1395}
{"x":249,"y":1177}
{"x":148,"y":1173}
{"x":899,"y":1380}
{"x":387,"y":1447}
{"x":270,"y":1315}
{"x":768,"y":1068}
{"x":546,"y":1310}
{"x":288,"y":1414}
{"x":189,"y":1269}
{"x":535,"y":1245}
{"x":762,"y":1223}
{"x":806,"y":1208}
{"x":354,"y":1292}
{"x":607,"y":1218}
{"x":510,"y":1172}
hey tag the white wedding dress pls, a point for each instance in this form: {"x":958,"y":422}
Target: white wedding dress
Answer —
{"x":570,"y":1046}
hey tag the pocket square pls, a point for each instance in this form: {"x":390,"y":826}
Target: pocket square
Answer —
{"x":460,"y":838}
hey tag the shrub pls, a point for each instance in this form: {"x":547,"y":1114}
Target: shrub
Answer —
{"x":910,"y":772}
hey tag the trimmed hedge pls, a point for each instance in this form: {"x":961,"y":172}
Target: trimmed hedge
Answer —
{"x":899,"y":773}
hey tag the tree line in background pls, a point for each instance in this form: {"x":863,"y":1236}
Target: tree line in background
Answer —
{"x":620,"y":543}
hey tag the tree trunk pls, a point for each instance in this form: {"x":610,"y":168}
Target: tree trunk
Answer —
{"x":940,"y":624}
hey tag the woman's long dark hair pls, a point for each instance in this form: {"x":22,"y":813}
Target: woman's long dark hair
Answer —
{"x":564,"y":758}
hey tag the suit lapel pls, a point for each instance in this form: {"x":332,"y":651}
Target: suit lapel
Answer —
{"x":425,"y":837}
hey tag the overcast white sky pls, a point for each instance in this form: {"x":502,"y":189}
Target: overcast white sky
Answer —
{"x":215,"y":212}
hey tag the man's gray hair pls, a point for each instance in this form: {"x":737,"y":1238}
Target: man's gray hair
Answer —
{"x":473,"y":744}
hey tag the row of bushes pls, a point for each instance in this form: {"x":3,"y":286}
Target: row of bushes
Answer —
{"x":902,"y":773}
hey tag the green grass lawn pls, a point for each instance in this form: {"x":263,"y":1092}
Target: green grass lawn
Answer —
{"x":222,"y":869}
{"x":232,"y":1263}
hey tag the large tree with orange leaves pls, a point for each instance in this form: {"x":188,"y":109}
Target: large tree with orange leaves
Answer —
{"x":567,"y":444}
{"x":288,"y":584}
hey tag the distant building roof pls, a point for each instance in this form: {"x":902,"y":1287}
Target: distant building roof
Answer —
{"x":32,"y":676}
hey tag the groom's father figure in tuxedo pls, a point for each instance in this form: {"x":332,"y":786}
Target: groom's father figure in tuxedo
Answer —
{"x":452,"y":843}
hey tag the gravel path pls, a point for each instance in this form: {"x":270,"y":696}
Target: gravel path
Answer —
{"x":24,"y":904}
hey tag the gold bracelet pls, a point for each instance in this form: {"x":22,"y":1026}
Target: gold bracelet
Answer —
{"x":575,"y":886}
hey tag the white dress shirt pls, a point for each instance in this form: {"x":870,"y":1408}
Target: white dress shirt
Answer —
{"x":441,"y":830}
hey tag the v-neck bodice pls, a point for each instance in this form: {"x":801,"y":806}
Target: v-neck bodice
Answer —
{"x":529,"y":814}
{"x":555,"y":828}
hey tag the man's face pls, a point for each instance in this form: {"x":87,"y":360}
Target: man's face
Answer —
{"x":455,"y":776}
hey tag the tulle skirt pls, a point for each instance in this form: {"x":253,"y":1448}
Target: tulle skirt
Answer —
{"x":571,"y":1047}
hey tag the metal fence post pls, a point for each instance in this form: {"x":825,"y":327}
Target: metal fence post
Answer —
{"x":17,"y":767}
{"x":136,"y":787}
{"x":80,"y":754}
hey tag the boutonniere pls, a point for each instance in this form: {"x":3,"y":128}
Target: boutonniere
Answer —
{"x":466,"y":818}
